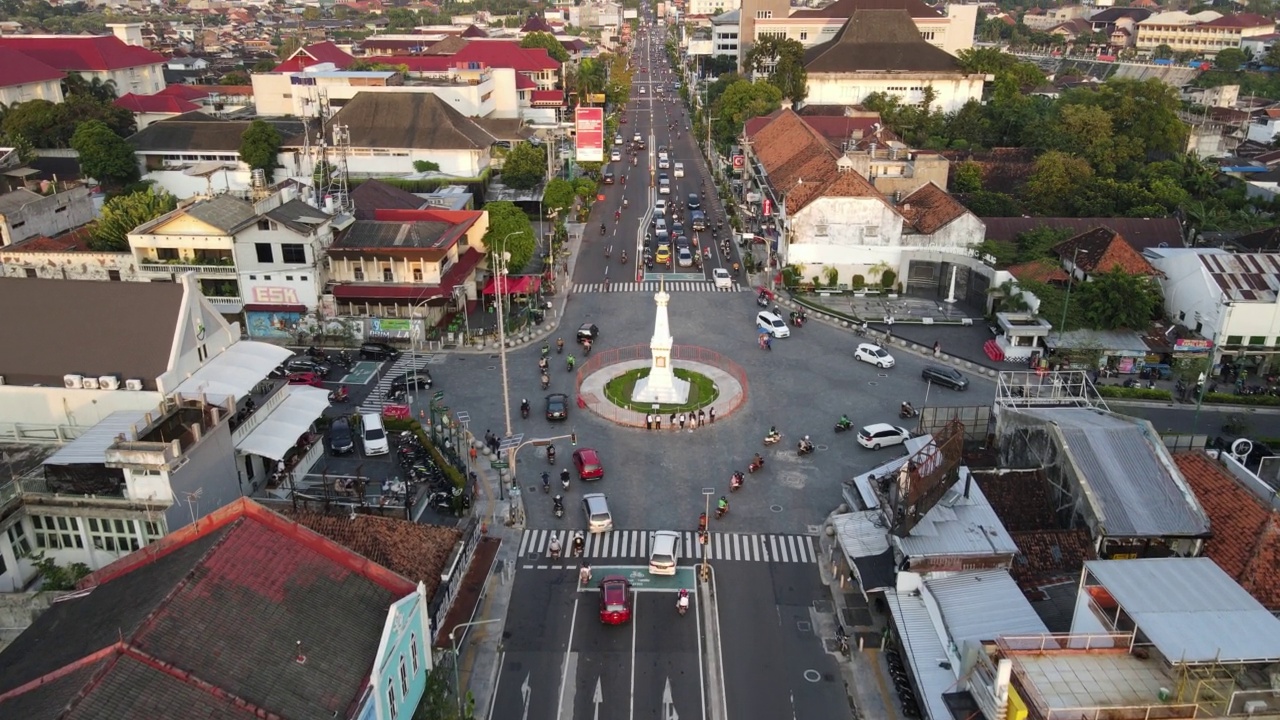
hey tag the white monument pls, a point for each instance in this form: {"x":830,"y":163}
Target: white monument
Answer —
{"x":662,"y":386}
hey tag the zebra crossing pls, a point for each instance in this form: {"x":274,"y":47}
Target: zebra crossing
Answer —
{"x":633,"y":545}
{"x":377,"y":397}
{"x":651,"y":286}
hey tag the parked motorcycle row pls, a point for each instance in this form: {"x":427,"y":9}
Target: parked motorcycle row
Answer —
{"x":902,"y":683}
{"x":420,"y":468}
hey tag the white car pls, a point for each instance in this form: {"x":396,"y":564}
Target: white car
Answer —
{"x":880,"y":435}
{"x":660,"y":207}
{"x":664,"y":164}
{"x":664,"y":553}
{"x":644,"y":90}
{"x":724,"y":281}
{"x":679,"y":170}
{"x":773,"y":324}
{"x":616,"y":156}
{"x":873,"y":354}
{"x":617,"y":139}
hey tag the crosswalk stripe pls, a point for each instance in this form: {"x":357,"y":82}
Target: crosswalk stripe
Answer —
{"x":377,"y":398}
{"x":633,"y":545}
{"x":652,"y":286}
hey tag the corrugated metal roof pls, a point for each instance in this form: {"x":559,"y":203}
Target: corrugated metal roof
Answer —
{"x":1247,"y":277}
{"x":91,"y":447}
{"x":861,"y":534}
{"x":1131,"y":481}
{"x":923,"y":649}
{"x":959,"y":526}
{"x":984,"y":605}
{"x":1191,"y":610}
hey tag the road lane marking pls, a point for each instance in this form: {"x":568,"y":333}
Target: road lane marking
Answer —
{"x":570,"y":657}
{"x":635,"y":610}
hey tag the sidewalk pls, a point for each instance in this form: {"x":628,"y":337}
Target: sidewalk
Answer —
{"x":480,"y":647}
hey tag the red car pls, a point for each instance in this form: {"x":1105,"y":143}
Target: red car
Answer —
{"x":306,"y":378}
{"x":588,"y":464}
{"x":615,"y":600}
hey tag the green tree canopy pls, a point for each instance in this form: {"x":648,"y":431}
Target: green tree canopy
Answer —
{"x":509,"y":231}
{"x":1056,"y":179}
{"x":235,"y":77}
{"x":740,"y":102}
{"x":548,"y":42}
{"x":558,"y":196}
{"x":104,"y":155}
{"x":260,"y":146}
{"x":123,"y":213}
{"x":783,"y":60}
{"x":1230,"y":59}
{"x":524,"y":167}
{"x":966,"y":177}
{"x":1117,"y":299}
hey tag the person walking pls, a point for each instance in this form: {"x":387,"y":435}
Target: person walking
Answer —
{"x":682,"y":421}
{"x":937,"y":348}
{"x":712,"y":415}
{"x":673,"y":421}
{"x":702,"y":417}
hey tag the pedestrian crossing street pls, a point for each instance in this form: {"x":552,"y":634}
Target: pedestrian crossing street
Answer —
{"x":633,"y":545}
{"x":377,"y":397}
{"x":651,"y":286}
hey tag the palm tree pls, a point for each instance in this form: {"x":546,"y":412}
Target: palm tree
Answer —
{"x":876,"y":271}
{"x":1009,"y":296}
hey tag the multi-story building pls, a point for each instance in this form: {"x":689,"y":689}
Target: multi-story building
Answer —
{"x":466,"y":87}
{"x":1045,"y":18}
{"x":130,"y":69}
{"x":725,"y":29}
{"x":951,"y":31}
{"x":751,"y":11}
{"x":67,"y":257}
{"x":702,"y":8}
{"x":25,"y":214}
{"x":1205,"y":33}
{"x":261,"y":257}
{"x":26,"y":78}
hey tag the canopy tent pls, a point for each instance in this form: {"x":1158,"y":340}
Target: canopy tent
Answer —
{"x":290,"y":419}
{"x":518,"y":285}
{"x":235,"y":371}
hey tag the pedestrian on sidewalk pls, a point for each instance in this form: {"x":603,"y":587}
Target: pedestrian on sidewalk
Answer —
{"x":682,"y":421}
{"x":673,"y":421}
{"x":712,"y":414}
{"x":702,"y":418}
{"x":937,"y":348}
{"x":648,"y":421}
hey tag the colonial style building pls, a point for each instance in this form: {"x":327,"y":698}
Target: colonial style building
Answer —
{"x":129,"y":68}
{"x":951,"y":30}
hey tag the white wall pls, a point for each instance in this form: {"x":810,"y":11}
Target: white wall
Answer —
{"x":278,"y":283}
{"x":505,"y":99}
{"x":76,"y":408}
{"x":846,"y":241}
{"x":50,"y":90}
{"x":849,"y":89}
{"x":460,"y":163}
{"x":70,"y":266}
{"x":274,"y":95}
{"x":183,"y":186}
{"x":145,"y":80}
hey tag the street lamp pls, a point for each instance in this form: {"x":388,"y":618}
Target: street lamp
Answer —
{"x":501,"y":270}
{"x":453,"y":640}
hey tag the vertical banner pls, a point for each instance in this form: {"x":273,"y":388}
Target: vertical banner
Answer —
{"x":589,"y":123}
{"x":767,"y":208}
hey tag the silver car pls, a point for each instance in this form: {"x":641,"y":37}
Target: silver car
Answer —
{"x":596,"y":508}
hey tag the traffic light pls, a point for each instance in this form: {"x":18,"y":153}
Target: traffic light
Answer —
{"x":573,"y":438}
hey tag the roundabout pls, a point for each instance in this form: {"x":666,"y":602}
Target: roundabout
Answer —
{"x":605,"y":383}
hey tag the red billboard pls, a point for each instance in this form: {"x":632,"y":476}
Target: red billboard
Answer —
{"x":589,"y":125}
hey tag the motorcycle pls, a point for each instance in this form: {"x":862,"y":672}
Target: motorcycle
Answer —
{"x":524,"y":409}
{"x":722,"y":510}
{"x":339,"y":396}
{"x":682,"y":603}
{"x":560,"y":346}
{"x":569,"y":364}
{"x":756,"y":464}
{"x":736,"y":481}
{"x":557,"y":508}
{"x":860,"y":330}
{"x":584,"y":575}
{"x":762,"y":301}
{"x":546,"y":381}
{"x":578,"y":546}
{"x":906,"y":411}
{"x":551,"y":455}
{"x":546,"y":482}
{"x":843,"y":425}
{"x":553,"y":550}
{"x":624,"y":257}
{"x":772,"y":438}
{"x":804,"y":448}
{"x":603,"y":229}
{"x":564,"y":479}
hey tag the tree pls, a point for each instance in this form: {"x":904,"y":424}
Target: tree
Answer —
{"x":1162,"y":52}
{"x":1117,"y":299}
{"x":525,"y":166}
{"x":509,"y":231}
{"x":425,"y":166}
{"x":260,"y":146}
{"x":548,"y":42}
{"x":58,"y":578}
{"x":1230,"y":59}
{"x":104,"y":155}
{"x":235,"y":77}
{"x":35,"y":120}
{"x":1055,"y":181}
{"x":783,"y":60}
{"x":123,"y":213}
{"x":966,"y":177}
{"x":311,"y":13}
{"x":266,"y":66}
{"x":558,"y":195}
{"x":740,"y":102}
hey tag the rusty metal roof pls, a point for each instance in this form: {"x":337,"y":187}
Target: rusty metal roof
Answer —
{"x":1247,"y":277}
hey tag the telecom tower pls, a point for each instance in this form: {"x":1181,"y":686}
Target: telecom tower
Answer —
{"x":325,"y":160}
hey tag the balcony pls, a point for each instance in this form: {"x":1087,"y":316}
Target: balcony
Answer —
{"x":157,"y":267}
{"x":226,"y":305}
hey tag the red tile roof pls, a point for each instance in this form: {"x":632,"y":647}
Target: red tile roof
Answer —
{"x":81,"y":53}
{"x":1246,"y":532}
{"x":21,"y":69}
{"x":1101,"y":250}
{"x":930,"y":208}
{"x":547,"y":97}
{"x":1043,"y":270}
{"x":524,"y":82}
{"x":1241,"y":20}
{"x":72,"y":241}
{"x":154,"y":104}
{"x":188,"y":92}
{"x":507,"y":54}
{"x":315,"y":54}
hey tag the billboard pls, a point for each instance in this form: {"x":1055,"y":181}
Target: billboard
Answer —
{"x":589,"y":124}
{"x":926,"y":478}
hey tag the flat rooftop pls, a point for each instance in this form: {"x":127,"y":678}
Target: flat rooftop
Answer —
{"x":1095,"y":679}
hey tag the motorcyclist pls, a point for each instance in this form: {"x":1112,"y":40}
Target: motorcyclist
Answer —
{"x":557,"y":505}
{"x":546,"y":482}
{"x":546,"y":349}
{"x":907,"y":410}
{"x":737,"y":479}
{"x":805,"y":444}
{"x":546,"y":380}
{"x":603,"y":229}
{"x":773,"y":434}
{"x":579,"y":543}
{"x":564,"y":478}
{"x":682,"y":604}
{"x":844,"y":421}
{"x":554,"y":548}
{"x":524,"y":407}
{"x":722,"y":507}
{"x":551,"y":456}
{"x":559,"y":345}
{"x":758,"y":461}
{"x":624,"y":257}
{"x":702,"y":522}
{"x":571,"y":361}
{"x":584,"y":572}
{"x":542,"y":364}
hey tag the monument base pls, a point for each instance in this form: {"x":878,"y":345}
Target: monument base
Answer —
{"x":677,"y":393}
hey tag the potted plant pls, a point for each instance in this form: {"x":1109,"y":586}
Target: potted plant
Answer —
{"x":831,"y":275}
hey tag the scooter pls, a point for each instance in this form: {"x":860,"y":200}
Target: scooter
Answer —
{"x":551,"y":455}
{"x":804,"y":449}
{"x":682,"y":603}
{"x":553,"y":550}
{"x":564,"y":479}
{"x":756,"y":464}
{"x":578,"y":546}
{"x":524,"y":409}
{"x":762,"y":301}
{"x":906,"y":411}
{"x":736,"y":481}
{"x":842,"y":640}
{"x":772,"y":439}
{"x":546,"y":381}
{"x":546,"y":482}
{"x":842,"y":425}
{"x":568,"y":366}
{"x":558,"y":507}
{"x":339,"y":396}
{"x":721,"y":511}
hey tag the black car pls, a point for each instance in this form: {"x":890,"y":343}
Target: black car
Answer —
{"x":949,"y":377}
{"x":608,"y":177}
{"x":694,"y":203}
{"x":557,"y":407}
{"x":303,"y":363}
{"x":588,"y":331}
{"x":341,"y":439}
{"x":419,"y":380}
{"x":378,"y":351}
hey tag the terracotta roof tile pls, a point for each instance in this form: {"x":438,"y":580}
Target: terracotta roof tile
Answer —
{"x":72,"y":241}
{"x":19,"y":69}
{"x":78,"y":53}
{"x":1101,"y":250}
{"x":930,"y":208}
{"x":154,"y":104}
{"x":1042,"y":270}
{"x":1246,"y":534}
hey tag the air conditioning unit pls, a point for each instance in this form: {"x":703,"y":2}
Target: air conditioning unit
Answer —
{"x":73,"y":382}
{"x":109,"y":382}
{"x":133,"y":384}
{"x":91,"y":383}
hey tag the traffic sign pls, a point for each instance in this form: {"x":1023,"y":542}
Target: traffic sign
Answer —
{"x":438,"y":395}
{"x":498,"y":465}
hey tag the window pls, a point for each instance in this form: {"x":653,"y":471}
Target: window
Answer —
{"x":820,"y":230}
{"x":113,"y":275}
{"x":1182,"y":315}
{"x":264,"y":252}
{"x":417,"y":274}
{"x":289,"y":278}
{"x":764,"y":14}
{"x":151,"y":530}
{"x":387,"y":275}
{"x":266,"y":277}
{"x":804,"y":35}
{"x":1257,"y":340}
{"x":391,"y":697}
{"x":302,"y":278}
{"x":294,"y":253}
{"x":167,"y":253}
{"x":404,"y":678}
{"x":22,"y":547}
{"x":358,"y":274}
{"x":29,"y":272}
{"x":113,"y":534}
{"x":253,"y":277}
{"x":54,"y":532}
{"x":61,"y":209}
{"x":264,"y":224}
{"x":413,"y":651}
{"x":873,"y":231}
{"x":1234,"y":339}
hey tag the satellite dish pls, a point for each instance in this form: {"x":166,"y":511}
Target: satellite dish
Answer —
{"x":1241,"y":448}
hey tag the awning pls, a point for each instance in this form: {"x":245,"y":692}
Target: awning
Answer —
{"x":290,"y":419}
{"x":235,"y":371}
{"x":519,"y":285}
{"x":276,"y":308}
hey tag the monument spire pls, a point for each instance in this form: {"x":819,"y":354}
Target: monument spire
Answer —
{"x":661,"y":386}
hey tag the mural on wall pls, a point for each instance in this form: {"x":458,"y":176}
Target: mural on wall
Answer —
{"x":273,"y":324}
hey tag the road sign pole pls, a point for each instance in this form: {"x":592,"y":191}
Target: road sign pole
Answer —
{"x":706,"y":547}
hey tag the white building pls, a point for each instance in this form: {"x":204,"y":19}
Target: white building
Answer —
{"x":470,"y":91}
{"x":699,"y":8}
{"x":724,"y":34}
{"x":26,"y":78}
{"x":951,"y":30}
{"x":25,"y":214}
{"x":130,"y":68}
{"x":67,"y":257}
{"x":1205,"y":32}
{"x":882,"y":51}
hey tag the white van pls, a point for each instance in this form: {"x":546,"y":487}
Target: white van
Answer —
{"x":664,"y":553}
{"x":373,"y":435}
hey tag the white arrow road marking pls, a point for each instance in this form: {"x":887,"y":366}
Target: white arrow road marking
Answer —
{"x":525,"y":693}
{"x":597,"y":699}
{"x":668,"y":704}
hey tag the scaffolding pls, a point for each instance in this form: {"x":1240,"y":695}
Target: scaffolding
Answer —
{"x":1064,"y":388}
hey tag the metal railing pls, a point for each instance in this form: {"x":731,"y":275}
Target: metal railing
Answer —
{"x":451,"y":578}
{"x":179,"y":268}
{"x":679,"y":353}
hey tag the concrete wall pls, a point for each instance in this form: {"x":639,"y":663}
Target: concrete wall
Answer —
{"x":48,"y":215}
{"x":279,"y":283}
{"x":50,"y":90}
{"x":852,"y":88}
{"x":86,"y":265}
{"x":183,"y":186}
{"x":18,"y":609}
{"x":207,"y":482}
{"x":76,"y":408}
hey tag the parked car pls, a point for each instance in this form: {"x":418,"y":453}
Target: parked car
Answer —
{"x":947,"y":376}
{"x":587,"y":461}
{"x":773,"y":324}
{"x":303,"y":364}
{"x":341,"y":439}
{"x":881,"y":435}
{"x":557,"y":407}
{"x":378,"y":351}
{"x":417,"y":380}
{"x":373,"y":435}
{"x":873,"y":354}
{"x":615,"y":600}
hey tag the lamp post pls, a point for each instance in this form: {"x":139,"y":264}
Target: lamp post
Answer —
{"x":453,"y":640}
{"x":498,"y":288}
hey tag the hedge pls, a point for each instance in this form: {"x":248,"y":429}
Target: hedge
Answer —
{"x":1134,"y":393}
{"x":1233,"y":399}
{"x":396,"y":426}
